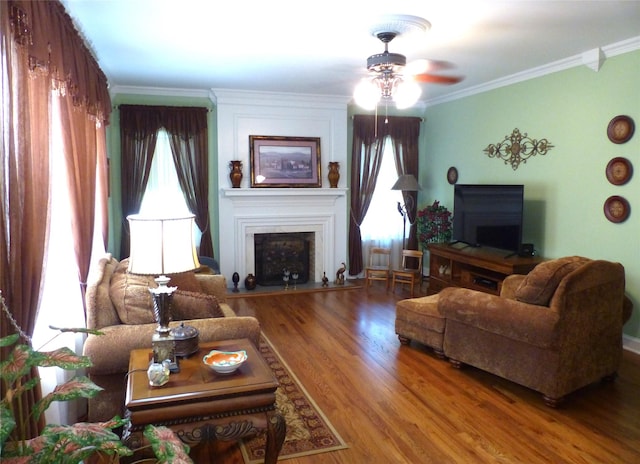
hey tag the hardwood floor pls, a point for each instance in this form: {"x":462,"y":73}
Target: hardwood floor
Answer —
{"x":401,"y":404}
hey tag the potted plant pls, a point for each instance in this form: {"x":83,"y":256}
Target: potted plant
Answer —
{"x":62,"y":444}
{"x":434,"y":224}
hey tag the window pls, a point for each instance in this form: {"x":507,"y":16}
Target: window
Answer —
{"x":163,"y":194}
{"x":383,"y":223}
{"x":382,"y":226}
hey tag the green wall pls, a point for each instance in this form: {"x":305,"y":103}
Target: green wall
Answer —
{"x":113,"y":149}
{"x":566,"y":189}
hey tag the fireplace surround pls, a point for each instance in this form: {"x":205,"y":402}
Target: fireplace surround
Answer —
{"x":250,"y":212}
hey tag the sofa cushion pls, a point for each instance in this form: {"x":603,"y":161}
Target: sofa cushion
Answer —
{"x":97,"y":295}
{"x":540,"y":284}
{"x":133,"y":301}
{"x":130,"y":295}
{"x":185,"y":281}
{"x":193,"y":305}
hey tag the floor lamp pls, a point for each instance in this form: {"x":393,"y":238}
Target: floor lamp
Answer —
{"x":161,"y":246}
{"x":406,"y":183}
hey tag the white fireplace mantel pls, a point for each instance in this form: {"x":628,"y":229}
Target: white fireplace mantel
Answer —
{"x":237,"y":194}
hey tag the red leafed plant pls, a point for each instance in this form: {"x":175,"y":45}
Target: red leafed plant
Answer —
{"x":62,"y":444}
{"x":434,"y":224}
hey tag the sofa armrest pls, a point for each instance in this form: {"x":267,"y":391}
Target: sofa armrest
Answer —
{"x":510,"y":284}
{"x":214,"y":284}
{"x":535,"y":325}
{"x":110,"y":352}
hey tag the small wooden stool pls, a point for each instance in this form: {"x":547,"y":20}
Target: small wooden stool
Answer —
{"x":419,"y":319}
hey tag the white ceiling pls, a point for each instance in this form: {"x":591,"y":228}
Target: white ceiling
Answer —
{"x":322,"y":47}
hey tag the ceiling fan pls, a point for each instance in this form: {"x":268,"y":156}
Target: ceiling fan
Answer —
{"x":391,"y":78}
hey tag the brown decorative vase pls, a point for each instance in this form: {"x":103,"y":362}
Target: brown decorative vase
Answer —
{"x":236,"y":173}
{"x":334,"y":174}
{"x":250,"y":282}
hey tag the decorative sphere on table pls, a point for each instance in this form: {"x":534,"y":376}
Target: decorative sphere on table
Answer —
{"x":158,"y":373}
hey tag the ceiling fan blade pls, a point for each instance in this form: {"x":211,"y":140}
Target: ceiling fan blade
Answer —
{"x":422,"y":66}
{"x":435,"y":79}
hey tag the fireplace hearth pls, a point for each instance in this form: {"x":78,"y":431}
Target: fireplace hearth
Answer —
{"x":276,"y":253}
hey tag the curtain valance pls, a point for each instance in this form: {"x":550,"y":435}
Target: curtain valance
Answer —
{"x":54,"y":47}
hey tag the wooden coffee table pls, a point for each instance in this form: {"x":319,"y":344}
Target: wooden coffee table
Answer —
{"x":201,"y":405}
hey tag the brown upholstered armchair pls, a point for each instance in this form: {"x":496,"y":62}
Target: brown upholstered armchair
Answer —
{"x":555,"y":330}
{"x":119,"y":305}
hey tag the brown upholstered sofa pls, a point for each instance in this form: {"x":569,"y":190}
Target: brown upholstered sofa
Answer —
{"x":120,"y":306}
{"x":555,"y":330}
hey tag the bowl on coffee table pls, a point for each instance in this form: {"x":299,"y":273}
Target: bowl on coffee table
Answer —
{"x":225,"y":362}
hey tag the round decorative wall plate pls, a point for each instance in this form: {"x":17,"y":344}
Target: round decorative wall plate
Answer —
{"x":620,"y":129}
{"x":619,"y":171}
{"x":452,"y":175}
{"x":616,"y":209}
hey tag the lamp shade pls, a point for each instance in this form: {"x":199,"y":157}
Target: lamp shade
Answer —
{"x":162,"y":245}
{"x":407,"y":183}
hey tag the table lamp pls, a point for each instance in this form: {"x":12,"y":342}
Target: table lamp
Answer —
{"x":161,"y":246}
{"x":406,"y":183}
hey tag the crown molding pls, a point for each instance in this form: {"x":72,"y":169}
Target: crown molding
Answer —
{"x":261,"y":98}
{"x":609,"y":51}
{"x":115,"y":90}
{"x":234,"y":96}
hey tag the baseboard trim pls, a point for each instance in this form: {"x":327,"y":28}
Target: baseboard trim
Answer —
{"x":631,"y":343}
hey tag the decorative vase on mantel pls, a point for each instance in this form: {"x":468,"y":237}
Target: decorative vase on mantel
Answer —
{"x":236,"y":173}
{"x":334,"y":174}
{"x":250,"y":282}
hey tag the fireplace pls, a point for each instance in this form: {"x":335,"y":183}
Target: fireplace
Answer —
{"x":277,"y":253}
{"x":249,"y":213}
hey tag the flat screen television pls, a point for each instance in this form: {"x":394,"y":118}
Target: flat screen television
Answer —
{"x":488,"y":215}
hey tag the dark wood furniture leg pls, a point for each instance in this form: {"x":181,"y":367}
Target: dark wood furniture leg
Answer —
{"x":276,"y":432}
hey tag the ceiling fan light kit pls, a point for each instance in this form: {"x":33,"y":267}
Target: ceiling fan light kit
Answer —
{"x":390,"y":79}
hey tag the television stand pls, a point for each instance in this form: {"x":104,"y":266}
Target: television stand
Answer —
{"x":477,"y":268}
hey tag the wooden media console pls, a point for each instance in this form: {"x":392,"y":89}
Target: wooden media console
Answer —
{"x":477,"y":268}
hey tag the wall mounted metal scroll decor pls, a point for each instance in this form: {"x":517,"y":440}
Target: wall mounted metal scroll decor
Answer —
{"x":517,"y":148}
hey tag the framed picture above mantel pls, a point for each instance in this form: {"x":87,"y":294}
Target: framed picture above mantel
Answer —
{"x":284,"y":161}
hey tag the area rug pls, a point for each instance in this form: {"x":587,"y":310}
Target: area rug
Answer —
{"x":308,"y":430}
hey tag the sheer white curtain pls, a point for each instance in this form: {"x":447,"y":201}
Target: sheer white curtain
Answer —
{"x":61,"y":301}
{"x":163,"y":194}
{"x":382,"y":226}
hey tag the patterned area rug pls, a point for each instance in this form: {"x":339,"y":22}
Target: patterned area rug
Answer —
{"x":308,"y":430}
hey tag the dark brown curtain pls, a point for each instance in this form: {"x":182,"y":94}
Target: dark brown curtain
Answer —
{"x":138,"y":136}
{"x":369,"y":133}
{"x":189,"y":140}
{"x":366,"y":158}
{"x":187,"y":128}
{"x":405,"y":135}
{"x":41,"y":52}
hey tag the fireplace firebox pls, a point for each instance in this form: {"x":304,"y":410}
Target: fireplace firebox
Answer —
{"x":276,"y":253}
